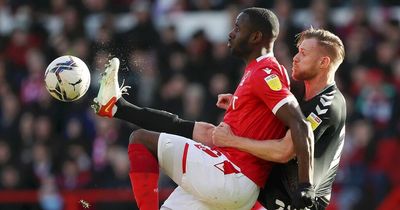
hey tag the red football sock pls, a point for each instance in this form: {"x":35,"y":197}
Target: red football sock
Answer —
{"x":144,"y":176}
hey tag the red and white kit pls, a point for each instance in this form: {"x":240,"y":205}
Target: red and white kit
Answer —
{"x":226,"y":178}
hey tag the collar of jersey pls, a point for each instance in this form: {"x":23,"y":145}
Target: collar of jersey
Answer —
{"x":254,"y":62}
{"x":320,"y":92}
{"x":270,"y":54}
{"x":326,"y":88}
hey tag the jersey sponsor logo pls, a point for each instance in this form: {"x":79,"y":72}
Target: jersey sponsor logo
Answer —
{"x":267,"y":70}
{"x":273,"y":82}
{"x":320,"y":111}
{"x":314,"y":120}
{"x":330,"y":94}
{"x":325,"y":102}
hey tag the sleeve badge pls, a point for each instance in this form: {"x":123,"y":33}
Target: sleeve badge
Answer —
{"x":314,"y":120}
{"x":273,"y":82}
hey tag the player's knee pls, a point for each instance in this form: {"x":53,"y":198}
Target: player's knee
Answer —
{"x":136,"y":136}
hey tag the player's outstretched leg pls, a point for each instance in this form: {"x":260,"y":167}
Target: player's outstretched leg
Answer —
{"x":144,"y":172}
{"x":110,"y":91}
{"x":110,"y":103}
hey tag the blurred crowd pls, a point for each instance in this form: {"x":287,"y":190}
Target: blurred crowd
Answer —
{"x":53,"y":146}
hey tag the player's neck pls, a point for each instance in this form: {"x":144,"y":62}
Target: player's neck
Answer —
{"x":259,"y":52}
{"x":317,"y":84}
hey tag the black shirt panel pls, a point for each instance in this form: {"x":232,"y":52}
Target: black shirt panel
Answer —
{"x":327,"y":113}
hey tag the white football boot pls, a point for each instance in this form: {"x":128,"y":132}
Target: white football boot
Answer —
{"x":110,"y":91}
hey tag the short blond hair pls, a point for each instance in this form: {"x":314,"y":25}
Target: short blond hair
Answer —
{"x":329,"y":41}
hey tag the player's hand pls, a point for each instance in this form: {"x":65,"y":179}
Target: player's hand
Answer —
{"x":224,"y":100}
{"x":202,"y":132}
{"x":304,"y":197}
{"x":222,"y":135}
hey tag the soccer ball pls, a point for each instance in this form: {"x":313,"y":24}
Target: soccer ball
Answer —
{"x":67,"y":78}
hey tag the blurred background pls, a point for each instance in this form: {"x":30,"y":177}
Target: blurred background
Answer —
{"x":174,"y":55}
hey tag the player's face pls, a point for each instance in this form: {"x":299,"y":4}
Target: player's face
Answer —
{"x":306,"y":61}
{"x":239,"y":36}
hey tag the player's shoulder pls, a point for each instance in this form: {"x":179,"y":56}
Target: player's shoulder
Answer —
{"x":332,"y":104}
{"x":269,"y":62}
{"x":267,"y":70}
{"x":268,"y":66}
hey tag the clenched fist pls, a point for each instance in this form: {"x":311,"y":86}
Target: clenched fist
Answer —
{"x":222,"y":135}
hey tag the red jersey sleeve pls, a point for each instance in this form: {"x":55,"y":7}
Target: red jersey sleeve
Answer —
{"x":272,"y":87}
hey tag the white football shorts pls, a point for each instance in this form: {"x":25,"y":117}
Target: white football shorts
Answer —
{"x":206,"y":178}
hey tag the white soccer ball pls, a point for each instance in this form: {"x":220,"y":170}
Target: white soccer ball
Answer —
{"x":67,"y":78}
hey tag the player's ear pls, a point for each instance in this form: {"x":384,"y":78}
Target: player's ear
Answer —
{"x":256,"y":37}
{"x":324,"y":62}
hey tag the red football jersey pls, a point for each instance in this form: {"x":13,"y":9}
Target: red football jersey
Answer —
{"x":264,"y":88}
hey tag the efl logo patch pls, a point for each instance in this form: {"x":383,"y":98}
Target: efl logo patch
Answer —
{"x":314,"y":120}
{"x":273,"y":82}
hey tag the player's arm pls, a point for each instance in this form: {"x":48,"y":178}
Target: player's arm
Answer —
{"x":303,"y":141}
{"x":278,"y":150}
{"x":302,"y":138}
{"x":272,"y":88}
{"x":162,"y":121}
{"x":202,"y":132}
